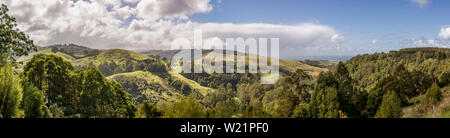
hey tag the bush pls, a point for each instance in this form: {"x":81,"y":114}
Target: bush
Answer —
{"x":444,"y":79}
{"x":434,"y":94}
{"x":390,"y":107}
{"x":148,"y":110}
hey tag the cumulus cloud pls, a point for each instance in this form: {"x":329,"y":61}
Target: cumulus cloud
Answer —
{"x":155,"y":9}
{"x":424,"y":42}
{"x":442,"y":41}
{"x":49,"y":18}
{"x":421,"y":3}
{"x":298,"y":37}
{"x":301,"y":35}
{"x":445,"y":32}
{"x":149,"y":24}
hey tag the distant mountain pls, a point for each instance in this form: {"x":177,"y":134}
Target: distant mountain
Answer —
{"x":162,"y":53}
{"x":73,"y":50}
{"x":323,"y":58}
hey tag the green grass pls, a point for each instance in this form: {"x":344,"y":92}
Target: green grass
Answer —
{"x":445,"y":115}
{"x":203,"y":90}
{"x":148,"y":83}
{"x":79,"y":55}
{"x":25,"y":59}
{"x":292,"y":66}
{"x":118,"y":56}
{"x":65,"y":56}
{"x":150,"y":87}
{"x":421,"y":110}
{"x":286,"y":65}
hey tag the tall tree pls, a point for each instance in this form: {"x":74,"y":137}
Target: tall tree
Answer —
{"x":434,"y":94}
{"x":93,"y":83}
{"x":51,"y":74}
{"x":186,"y":108}
{"x":33,"y":100}
{"x":406,"y":84}
{"x":57,"y":78}
{"x":324,"y":100}
{"x":334,"y":96}
{"x":352,"y":100}
{"x":13,"y":42}
{"x":390,"y":107}
{"x":10,"y":92}
{"x":76,"y":92}
{"x":102,"y":98}
{"x":255,"y":111}
{"x":324,"y":103}
{"x":293,"y":91}
{"x":300,"y":84}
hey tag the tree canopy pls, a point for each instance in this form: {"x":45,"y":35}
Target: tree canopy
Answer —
{"x":13,"y":42}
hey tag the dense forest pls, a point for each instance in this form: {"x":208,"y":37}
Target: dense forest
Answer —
{"x":71,"y":81}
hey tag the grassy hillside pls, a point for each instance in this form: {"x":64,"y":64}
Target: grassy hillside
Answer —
{"x":69,"y":52}
{"x":192,"y":84}
{"x":110,"y":61}
{"x":221,"y":80}
{"x":73,"y":50}
{"x":286,"y":66}
{"x":421,"y":110}
{"x":292,"y":66}
{"x":25,"y":59}
{"x":329,"y":64}
{"x":115,"y":61}
{"x":147,"y":86}
{"x":156,"y":87}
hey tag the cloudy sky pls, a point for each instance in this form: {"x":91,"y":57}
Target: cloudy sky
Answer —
{"x":305,"y":27}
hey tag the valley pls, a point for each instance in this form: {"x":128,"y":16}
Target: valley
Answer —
{"x":149,"y":78}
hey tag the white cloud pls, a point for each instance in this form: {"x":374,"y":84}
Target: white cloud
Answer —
{"x":424,"y":42}
{"x":421,"y":3}
{"x":443,"y":41}
{"x":154,"y":9}
{"x":112,"y":24}
{"x":131,"y":1}
{"x":374,"y":42}
{"x":445,"y":32}
{"x":298,"y":36}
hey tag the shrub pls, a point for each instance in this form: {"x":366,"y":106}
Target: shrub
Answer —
{"x":434,"y":94}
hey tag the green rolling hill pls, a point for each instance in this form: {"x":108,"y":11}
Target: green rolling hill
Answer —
{"x":146,"y":77}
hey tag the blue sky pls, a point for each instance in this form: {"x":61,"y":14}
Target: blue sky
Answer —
{"x":361,"y":21}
